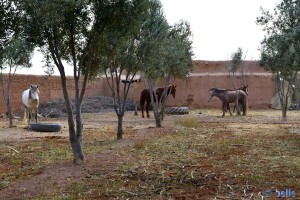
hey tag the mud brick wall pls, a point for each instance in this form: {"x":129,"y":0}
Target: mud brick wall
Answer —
{"x":49,"y":87}
{"x":192,"y":92}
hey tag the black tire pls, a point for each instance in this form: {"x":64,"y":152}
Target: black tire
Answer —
{"x":177,"y":110}
{"x":45,"y":127}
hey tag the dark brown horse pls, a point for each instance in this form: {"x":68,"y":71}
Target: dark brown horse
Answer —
{"x":229,"y":96}
{"x":244,"y":88}
{"x":145,"y":97}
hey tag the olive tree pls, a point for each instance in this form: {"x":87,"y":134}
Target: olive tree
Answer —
{"x":168,"y":55}
{"x":153,"y":46}
{"x":178,"y":55}
{"x":118,"y":52}
{"x":68,"y":32}
{"x":15,"y":52}
{"x":280,"y":49}
{"x":234,"y":64}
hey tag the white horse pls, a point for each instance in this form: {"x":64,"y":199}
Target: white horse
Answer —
{"x":30,"y":98}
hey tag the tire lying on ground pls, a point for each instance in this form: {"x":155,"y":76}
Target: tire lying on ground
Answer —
{"x":45,"y":127}
{"x":177,"y":110}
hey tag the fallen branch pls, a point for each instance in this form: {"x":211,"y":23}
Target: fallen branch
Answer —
{"x":236,"y":145}
{"x":13,"y":149}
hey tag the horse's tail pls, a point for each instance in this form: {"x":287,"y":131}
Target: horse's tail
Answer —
{"x":246,"y":105}
{"x":142,"y":99}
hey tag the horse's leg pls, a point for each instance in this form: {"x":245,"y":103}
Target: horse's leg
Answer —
{"x":142,"y":107}
{"x":223,"y":108}
{"x":147,"y":109}
{"x":234,"y":107}
{"x":244,"y":105}
{"x":142,"y":112}
{"x":241,"y":106}
{"x":238,"y":108}
{"x":29,"y":114}
{"x":25,"y":115}
{"x":228,"y":108}
{"x":35,"y":112}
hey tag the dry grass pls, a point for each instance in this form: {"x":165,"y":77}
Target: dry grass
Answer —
{"x":203,"y":157}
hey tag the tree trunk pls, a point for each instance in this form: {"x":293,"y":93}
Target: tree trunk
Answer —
{"x":120,"y":127}
{"x":284,"y":114}
{"x":135,"y":108}
{"x":76,"y":147}
{"x":6,"y":97}
{"x":75,"y":135}
{"x":9,"y":114}
{"x":75,"y":138}
{"x":157,"y":119}
{"x":284,"y":106}
{"x":79,"y":125}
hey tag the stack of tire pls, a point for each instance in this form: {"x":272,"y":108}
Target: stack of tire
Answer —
{"x":177,"y":110}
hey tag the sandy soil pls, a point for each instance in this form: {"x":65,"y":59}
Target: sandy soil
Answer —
{"x":107,"y":160}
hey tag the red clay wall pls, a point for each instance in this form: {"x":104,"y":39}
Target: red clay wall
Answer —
{"x":208,"y":74}
{"x":195,"y":89}
{"x":50,"y":89}
{"x":192,"y":92}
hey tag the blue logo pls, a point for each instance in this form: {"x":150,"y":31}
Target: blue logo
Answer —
{"x":268,"y":193}
{"x":287,"y":193}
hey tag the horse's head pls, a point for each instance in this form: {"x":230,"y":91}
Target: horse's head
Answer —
{"x":245,"y":89}
{"x":172,"y":90}
{"x":34,"y":92}
{"x":211,"y":93}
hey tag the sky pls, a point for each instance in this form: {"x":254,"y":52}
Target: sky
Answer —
{"x":219,"y":28}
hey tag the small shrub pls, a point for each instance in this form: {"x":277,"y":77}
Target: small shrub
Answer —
{"x":189,"y":122}
{"x":139,"y":145}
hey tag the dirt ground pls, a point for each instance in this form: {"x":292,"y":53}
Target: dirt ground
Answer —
{"x":143,"y":128}
{"x":136,"y":131}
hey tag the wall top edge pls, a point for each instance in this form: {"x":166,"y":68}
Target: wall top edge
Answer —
{"x":226,"y":74}
{"x":199,"y":60}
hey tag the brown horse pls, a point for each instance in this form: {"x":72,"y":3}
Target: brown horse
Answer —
{"x":244,"y":88}
{"x":229,"y":96}
{"x":145,"y":97}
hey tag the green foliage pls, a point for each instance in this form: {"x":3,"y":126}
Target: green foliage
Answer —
{"x":115,"y":52}
{"x":10,"y":19}
{"x":179,"y":61}
{"x":118,"y":45}
{"x":153,"y":41}
{"x":236,"y":60}
{"x":280,"y":48}
{"x":17,"y":53}
{"x":60,"y":29}
{"x":167,"y":50}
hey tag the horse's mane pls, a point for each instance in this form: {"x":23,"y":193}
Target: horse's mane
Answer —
{"x":218,"y":89}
